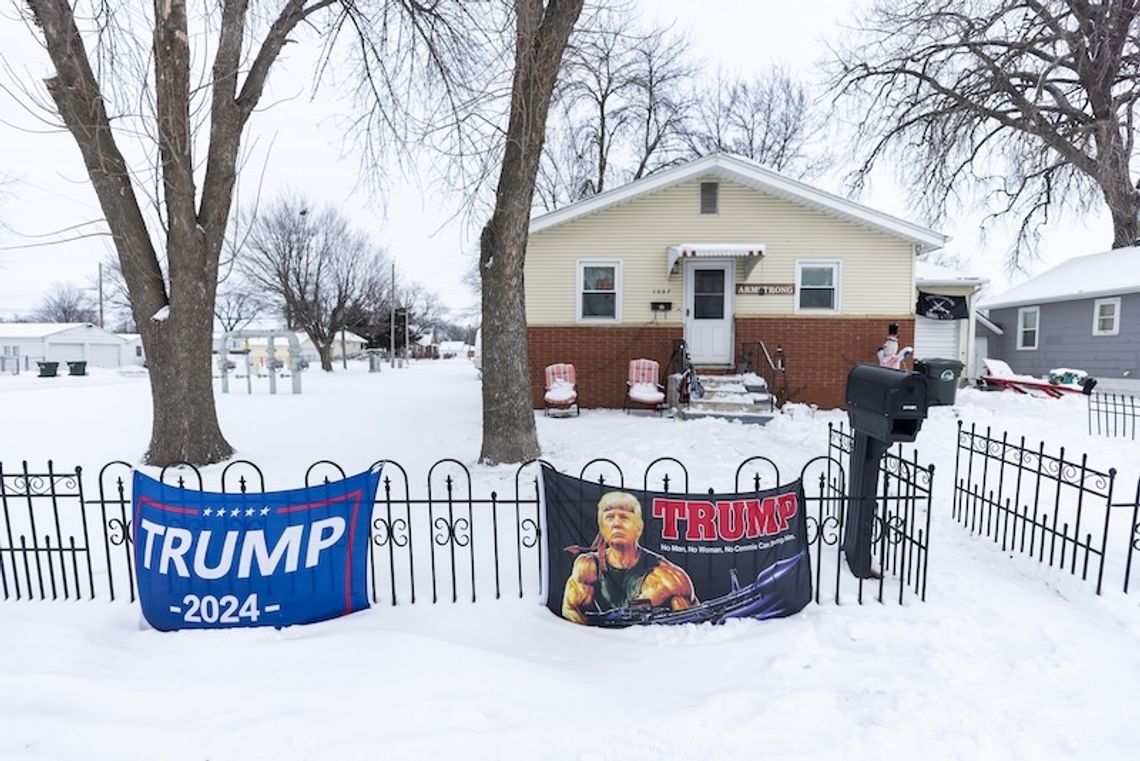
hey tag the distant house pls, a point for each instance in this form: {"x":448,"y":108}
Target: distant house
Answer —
{"x":425,"y":347}
{"x":615,"y":277}
{"x":946,"y":335}
{"x":30,"y":342}
{"x":452,"y":349}
{"x":1082,"y":314}
{"x":133,"y":353}
{"x":258,"y":348}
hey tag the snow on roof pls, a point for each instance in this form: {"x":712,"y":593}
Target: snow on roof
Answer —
{"x":1104,"y":274}
{"x":43,"y":329}
{"x":929,"y":273}
{"x":452,"y":345}
{"x":750,"y":174}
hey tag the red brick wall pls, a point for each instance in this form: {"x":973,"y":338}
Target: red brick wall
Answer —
{"x":600,"y":356}
{"x":818,"y":353}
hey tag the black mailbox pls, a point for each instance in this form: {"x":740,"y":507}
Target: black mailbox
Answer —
{"x":886,"y":404}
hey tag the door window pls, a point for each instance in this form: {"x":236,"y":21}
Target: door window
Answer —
{"x":708,"y":294}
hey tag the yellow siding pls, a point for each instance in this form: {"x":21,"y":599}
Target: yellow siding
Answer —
{"x":877,"y":269}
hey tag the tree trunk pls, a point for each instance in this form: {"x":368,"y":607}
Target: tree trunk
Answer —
{"x":178,"y":350}
{"x":325,"y":350}
{"x":542,"y":30}
{"x":1123,"y":201}
{"x":1125,"y":231}
{"x":508,"y":412}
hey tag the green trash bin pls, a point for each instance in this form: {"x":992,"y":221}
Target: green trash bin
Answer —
{"x":942,"y":377}
{"x":48,"y":369}
{"x":77,"y":368}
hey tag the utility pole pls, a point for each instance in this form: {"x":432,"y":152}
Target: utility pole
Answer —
{"x":100,"y":294}
{"x":343,"y":350}
{"x":392,"y":322}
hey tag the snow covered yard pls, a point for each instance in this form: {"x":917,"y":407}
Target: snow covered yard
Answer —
{"x":1007,"y":659}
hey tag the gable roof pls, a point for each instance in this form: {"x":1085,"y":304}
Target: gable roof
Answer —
{"x":750,"y":174}
{"x":45,"y":329}
{"x":1084,"y":277}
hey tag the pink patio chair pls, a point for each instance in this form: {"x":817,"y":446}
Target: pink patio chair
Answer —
{"x":561,"y":389}
{"x":644,"y":389}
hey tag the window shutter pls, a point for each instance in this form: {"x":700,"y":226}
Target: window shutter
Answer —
{"x":708,"y":198}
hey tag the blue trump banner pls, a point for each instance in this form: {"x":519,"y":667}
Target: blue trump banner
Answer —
{"x":206,"y":560}
{"x":618,"y":557}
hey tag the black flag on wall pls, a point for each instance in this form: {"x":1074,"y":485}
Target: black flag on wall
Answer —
{"x":934,"y":306}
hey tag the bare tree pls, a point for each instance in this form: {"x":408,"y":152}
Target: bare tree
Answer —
{"x":65,"y":302}
{"x":236,"y":307}
{"x":541,"y":33}
{"x":1031,"y":102}
{"x":315,"y":265}
{"x":620,"y":108}
{"x":599,"y":72}
{"x":769,"y":118}
{"x":661,"y":101}
{"x":708,"y":129}
{"x":190,"y":113}
{"x":116,"y":298}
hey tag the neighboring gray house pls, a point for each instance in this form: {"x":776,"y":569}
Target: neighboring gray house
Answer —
{"x":1083,"y":314}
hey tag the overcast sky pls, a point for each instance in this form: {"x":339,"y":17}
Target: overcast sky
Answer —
{"x":413,"y":220}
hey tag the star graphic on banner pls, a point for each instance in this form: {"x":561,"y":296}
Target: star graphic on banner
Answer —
{"x":248,"y":512}
{"x":235,"y":512}
{"x":265,"y":511}
{"x":207,"y":512}
{"x":221,"y":513}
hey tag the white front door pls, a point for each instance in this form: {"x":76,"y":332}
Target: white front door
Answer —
{"x":709,"y":310}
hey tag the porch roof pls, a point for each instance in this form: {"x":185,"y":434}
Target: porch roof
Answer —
{"x":751,"y":253}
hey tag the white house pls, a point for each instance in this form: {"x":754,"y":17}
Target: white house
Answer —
{"x":133,"y":349}
{"x":258,"y":347}
{"x":30,"y":342}
{"x":449,"y":349}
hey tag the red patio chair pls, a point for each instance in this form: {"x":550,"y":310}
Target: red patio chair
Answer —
{"x":561,"y":389}
{"x":643,"y":389}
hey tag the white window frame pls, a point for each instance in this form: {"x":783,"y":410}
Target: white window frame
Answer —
{"x":837,"y":266}
{"x":1021,"y":328}
{"x":1096,"y":331}
{"x":581,"y":265}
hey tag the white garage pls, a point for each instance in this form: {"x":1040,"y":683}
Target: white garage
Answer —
{"x":937,"y":338}
{"x":22,"y":344}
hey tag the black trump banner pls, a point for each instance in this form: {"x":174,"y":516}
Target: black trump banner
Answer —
{"x":618,"y":557}
{"x":934,"y":306}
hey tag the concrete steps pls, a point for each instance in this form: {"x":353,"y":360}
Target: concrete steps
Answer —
{"x":731,"y":397}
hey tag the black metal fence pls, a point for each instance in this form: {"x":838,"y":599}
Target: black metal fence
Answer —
{"x":1044,"y":505}
{"x":901,"y":532}
{"x":1113,"y":415}
{"x":68,"y":536}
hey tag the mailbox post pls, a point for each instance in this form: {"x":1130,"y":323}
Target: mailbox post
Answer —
{"x":884,"y":406}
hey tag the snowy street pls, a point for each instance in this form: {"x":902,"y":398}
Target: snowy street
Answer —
{"x":1006,"y":659}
